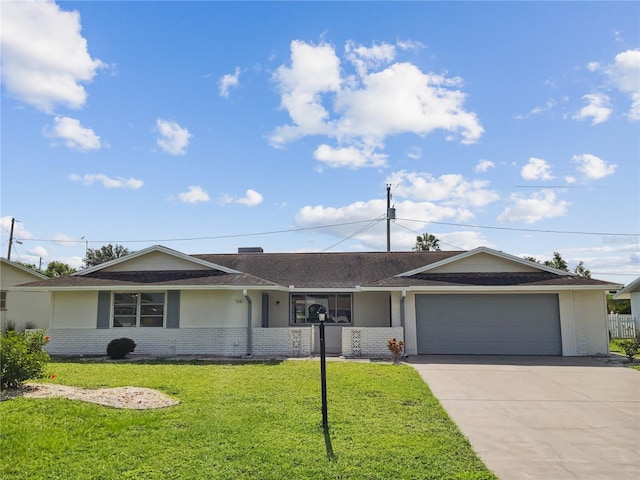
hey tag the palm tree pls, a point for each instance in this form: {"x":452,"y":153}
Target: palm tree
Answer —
{"x":427,"y":242}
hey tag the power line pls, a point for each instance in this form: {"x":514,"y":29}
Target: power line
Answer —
{"x":273,"y":232}
{"x":363,"y":229}
{"x":317,"y":227}
{"x":523,"y":229}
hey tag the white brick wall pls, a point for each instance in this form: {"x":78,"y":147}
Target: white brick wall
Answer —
{"x":369,"y":341}
{"x":230,"y":342}
{"x":281,"y":342}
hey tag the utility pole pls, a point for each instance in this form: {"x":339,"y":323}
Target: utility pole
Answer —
{"x":13,"y":221}
{"x":391,"y":215}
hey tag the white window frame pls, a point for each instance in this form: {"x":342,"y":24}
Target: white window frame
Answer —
{"x":333,"y":310}
{"x":138,"y":309}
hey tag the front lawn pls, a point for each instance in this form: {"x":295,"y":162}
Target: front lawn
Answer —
{"x":250,"y":421}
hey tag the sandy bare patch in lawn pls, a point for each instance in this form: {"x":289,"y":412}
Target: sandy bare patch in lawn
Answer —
{"x":121,"y":397}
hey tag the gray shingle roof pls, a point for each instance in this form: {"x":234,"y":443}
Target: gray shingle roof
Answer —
{"x":326,"y":270}
{"x":176,"y":278}
{"x":497,"y":279}
{"x":316,"y":270}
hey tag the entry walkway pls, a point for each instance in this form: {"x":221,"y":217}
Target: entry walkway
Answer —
{"x":551,"y":418}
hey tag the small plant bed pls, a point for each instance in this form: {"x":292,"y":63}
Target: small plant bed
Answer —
{"x":242,"y":421}
{"x":629,"y":347}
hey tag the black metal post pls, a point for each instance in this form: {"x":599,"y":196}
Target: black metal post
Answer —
{"x":323,"y":375}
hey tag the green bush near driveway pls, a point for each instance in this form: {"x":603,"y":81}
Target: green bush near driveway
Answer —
{"x":250,"y":421}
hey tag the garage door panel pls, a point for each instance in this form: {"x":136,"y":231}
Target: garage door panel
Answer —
{"x":488,"y":324}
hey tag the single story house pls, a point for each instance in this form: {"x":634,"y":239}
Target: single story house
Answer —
{"x":632,"y":292}
{"x":22,"y":308}
{"x":266,"y":304}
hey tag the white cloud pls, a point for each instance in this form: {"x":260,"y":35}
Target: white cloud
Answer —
{"x":365,"y":233}
{"x":107,"y":182}
{"x":229,"y":81}
{"x":38,"y":251}
{"x":45,"y":59}
{"x":403,"y":99}
{"x":18,"y":228}
{"x":360,"y":110}
{"x":65,"y":240}
{"x":350,"y":157}
{"x":173,"y":138}
{"x":536,"y":169}
{"x":484,"y":166}
{"x":415,"y":153}
{"x":466,"y":240}
{"x":593,"y":66}
{"x":75,"y":136}
{"x":624,"y":73}
{"x":251,"y":198}
{"x":593,"y":167}
{"x":538,"y":206}
{"x":597,"y":109}
{"x":313,"y":70}
{"x":548,"y":106}
{"x":365,"y":58}
{"x":410,"y":45}
{"x":450,"y":189}
{"x":194,"y":194}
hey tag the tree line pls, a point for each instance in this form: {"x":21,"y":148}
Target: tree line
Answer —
{"x":93,"y":257}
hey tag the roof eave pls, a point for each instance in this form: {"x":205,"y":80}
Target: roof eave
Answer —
{"x":490,"y":288}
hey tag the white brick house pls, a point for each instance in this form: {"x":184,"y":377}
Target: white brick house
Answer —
{"x":266,"y":304}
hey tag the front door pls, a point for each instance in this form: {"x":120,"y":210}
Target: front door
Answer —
{"x":332,"y":339}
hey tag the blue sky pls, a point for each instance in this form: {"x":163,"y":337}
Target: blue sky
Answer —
{"x":208,"y":126}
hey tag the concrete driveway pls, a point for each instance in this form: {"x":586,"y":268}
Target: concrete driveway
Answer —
{"x":543,"y":418}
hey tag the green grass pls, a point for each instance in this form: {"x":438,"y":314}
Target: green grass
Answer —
{"x":615,"y":347}
{"x":251,"y":421}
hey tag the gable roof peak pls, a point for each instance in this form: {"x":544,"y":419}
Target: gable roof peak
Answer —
{"x":488,"y":251}
{"x":148,"y":250}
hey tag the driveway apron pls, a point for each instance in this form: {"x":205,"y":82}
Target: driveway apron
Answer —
{"x":543,"y":418}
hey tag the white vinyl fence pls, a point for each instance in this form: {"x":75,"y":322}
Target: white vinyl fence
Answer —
{"x":621,"y":326}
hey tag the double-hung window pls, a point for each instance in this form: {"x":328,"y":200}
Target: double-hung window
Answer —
{"x":3,"y":299}
{"x":139,"y":309}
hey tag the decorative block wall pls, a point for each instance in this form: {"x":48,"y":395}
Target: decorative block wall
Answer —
{"x":281,"y":342}
{"x":369,"y":342}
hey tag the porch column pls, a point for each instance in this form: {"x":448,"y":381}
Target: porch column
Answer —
{"x":396,"y":317}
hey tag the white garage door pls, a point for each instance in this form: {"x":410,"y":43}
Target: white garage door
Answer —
{"x":488,"y":324}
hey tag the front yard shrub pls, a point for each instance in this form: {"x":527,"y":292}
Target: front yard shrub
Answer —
{"x":630,"y":347}
{"x":22,"y":357}
{"x":395,"y":347}
{"x":120,"y":347}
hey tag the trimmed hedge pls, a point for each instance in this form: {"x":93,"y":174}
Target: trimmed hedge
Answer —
{"x":120,"y":347}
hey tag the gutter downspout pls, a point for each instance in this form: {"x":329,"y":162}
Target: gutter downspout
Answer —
{"x":248,"y":299}
{"x":404,"y":337}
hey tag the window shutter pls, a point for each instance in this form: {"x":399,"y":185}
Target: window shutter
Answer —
{"x":104,"y":309}
{"x":265,"y":310}
{"x":173,"y":309}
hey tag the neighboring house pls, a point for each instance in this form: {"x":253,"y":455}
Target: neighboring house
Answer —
{"x":632,"y":292}
{"x":265,"y":304}
{"x":22,"y":308}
